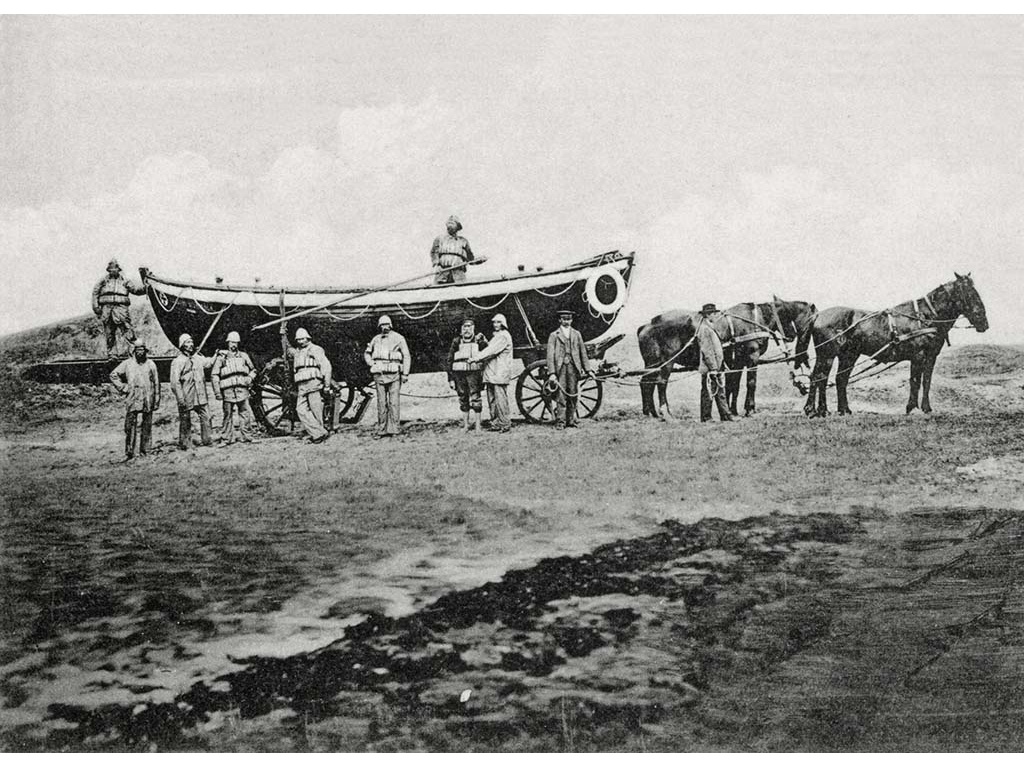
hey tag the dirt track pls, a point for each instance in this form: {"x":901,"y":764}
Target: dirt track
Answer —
{"x":859,"y":589}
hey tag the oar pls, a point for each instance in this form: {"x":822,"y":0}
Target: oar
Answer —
{"x":353,"y":296}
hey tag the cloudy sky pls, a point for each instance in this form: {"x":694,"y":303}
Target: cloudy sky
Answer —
{"x":841,"y":160}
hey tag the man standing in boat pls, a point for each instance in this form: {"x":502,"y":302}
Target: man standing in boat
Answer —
{"x":110,"y":303}
{"x":312,"y":376}
{"x":450,"y":254}
{"x":387,"y":354}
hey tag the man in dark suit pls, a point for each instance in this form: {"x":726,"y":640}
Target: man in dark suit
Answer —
{"x":567,"y":365}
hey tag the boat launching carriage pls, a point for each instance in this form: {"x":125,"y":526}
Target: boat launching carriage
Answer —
{"x":343,"y":320}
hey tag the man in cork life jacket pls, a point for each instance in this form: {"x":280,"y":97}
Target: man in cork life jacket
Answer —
{"x":232,"y":375}
{"x":465,"y":375}
{"x":450,"y":253}
{"x":387,"y":354}
{"x":312,"y":376}
{"x":188,"y":383}
{"x":110,"y":302}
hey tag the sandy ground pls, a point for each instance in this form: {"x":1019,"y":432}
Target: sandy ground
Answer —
{"x":771,"y":584}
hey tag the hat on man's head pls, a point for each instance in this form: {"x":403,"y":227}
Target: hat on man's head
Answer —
{"x":566,"y":313}
{"x":140,"y":344}
{"x":708,"y":309}
{"x":233,"y":336}
{"x":454,"y":220}
{"x":500,"y":318}
{"x":113,"y":264}
{"x":183,"y":338}
{"x":384,"y":320}
{"x":302,"y":333}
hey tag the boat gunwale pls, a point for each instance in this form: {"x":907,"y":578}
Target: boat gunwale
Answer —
{"x":612,"y":257}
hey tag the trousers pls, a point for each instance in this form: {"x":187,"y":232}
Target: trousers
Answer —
{"x":714,"y":382}
{"x":468,"y":385}
{"x":116,"y":317}
{"x":245,"y":419}
{"x":497,"y":405}
{"x":310,"y":409}
{"x":389,"y":413}
{"x":202,"y":412}
{"x":567,"y":395}
{"x":145,"y":438}
{"x":451,"y":276}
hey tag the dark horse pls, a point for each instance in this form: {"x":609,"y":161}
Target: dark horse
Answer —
{"x":914,"y":331}
{"x":667,"y":343}
{"x":745,"y":330}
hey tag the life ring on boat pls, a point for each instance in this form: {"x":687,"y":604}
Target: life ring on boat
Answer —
{"x":600,"y":284}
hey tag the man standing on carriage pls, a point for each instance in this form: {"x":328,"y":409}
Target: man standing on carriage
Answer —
{"x":464,"y":375}
{"x":387,"y":354}
{"x":712,"y":361}
{"x":450,"y":253}
{"x":497,"y":359}
{"x":137,"y":379}
{"x":110,"y":303}
{"x":567,"y":366}
{"x":232,"y":375}
{"x":312,"y":376}
{"x":188,"y":382}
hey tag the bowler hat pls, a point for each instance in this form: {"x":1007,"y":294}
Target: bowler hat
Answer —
{"x":708,"y":309}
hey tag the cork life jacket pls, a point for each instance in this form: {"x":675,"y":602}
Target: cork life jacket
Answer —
{"x":387,"y":355}
{"x":463,"y":354}
{"x":114,"y":291}
{"x":234,"y":371}
{"x":307,"y":365}
{"x":452,"y":250}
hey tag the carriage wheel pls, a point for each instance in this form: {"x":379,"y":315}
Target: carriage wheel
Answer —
{"x":533,"y":402}
{"x":537,"y":407}
{"x":274,"y":398}
{"x":591,"y":392}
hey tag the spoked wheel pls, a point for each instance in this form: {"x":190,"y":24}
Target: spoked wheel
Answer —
{"x":591,"y":392}
{"x":538,"y":407}
{"x":534,"y":403}
{"x":274,"y":398}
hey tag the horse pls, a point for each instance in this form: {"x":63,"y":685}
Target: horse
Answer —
{"x":667,"y":343}
{"x":914,"y":330}
{"x":745,"y":330}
